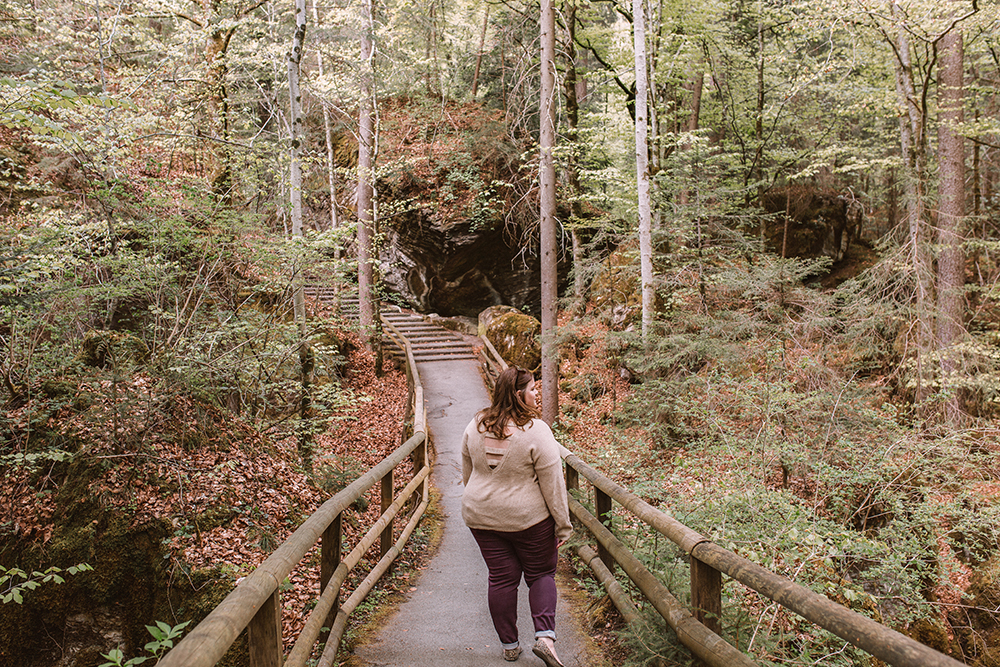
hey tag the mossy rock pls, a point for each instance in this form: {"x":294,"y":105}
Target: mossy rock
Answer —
{"x":101,"y":347}
{"x":215,"y":517}
{"x":617,"y":281}
{"x":516,"y":337}
{"x":930,"y":633}
{"x":493,"y":312}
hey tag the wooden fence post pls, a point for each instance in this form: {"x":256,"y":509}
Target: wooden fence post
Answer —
{"x":419,"y":459}
{"x":706,"y":595}
{"x":572,"y":478}
{"x":602,"y":501}
{"x":386,"y":541}
{"x":329,"y":560}
{"x":264,"y":633}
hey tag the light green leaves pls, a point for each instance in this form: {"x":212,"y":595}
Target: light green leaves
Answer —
{"x":30,"y":105}
{"x":15,"y":581}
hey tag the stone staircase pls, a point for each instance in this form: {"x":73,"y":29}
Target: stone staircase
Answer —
{"x":428,"y":341}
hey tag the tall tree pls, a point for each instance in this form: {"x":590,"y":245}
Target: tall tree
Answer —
{"x":547,"y":213}
{"x":572,"y":164}
{"x":365,"y":201}
{"x":295,"y":187}
{"x":642,"y":166}
{"x":951,"y":211}
{"x":331,"y":181}
{"x":294,"y":60}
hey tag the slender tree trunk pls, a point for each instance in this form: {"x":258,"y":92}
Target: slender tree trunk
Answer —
{"x":330,"y":163}
{"x":912,"y":145}
{"x":295,"y":182}
{"x":365,"y":202}
{"x":951,"y":215}
{"x":756,"y":171}
{"x":696,"y":85}
{"x":572,"y":169}
{"x":547,"y":212}
{"x":479,"y":55}
{"x":295,"y":177}
{"x":642,"y":167}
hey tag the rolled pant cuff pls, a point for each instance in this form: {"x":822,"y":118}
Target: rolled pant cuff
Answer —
{"x":508,"y":646}
{"x":546,"y":633}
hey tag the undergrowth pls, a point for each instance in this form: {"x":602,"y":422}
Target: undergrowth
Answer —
{"x":759,"y":417}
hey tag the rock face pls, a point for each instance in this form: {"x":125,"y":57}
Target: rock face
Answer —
{"x":821,"y":223}
{"x":456,"y":269}
{"x":515,"y":336}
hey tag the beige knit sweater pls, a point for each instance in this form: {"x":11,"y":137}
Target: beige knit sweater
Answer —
{"x":525,"y":488}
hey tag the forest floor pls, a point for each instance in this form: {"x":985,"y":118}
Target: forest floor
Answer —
{"x":232,"y":468}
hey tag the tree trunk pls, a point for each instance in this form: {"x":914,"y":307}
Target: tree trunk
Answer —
{"x":696,"y":85}
{"x":330,"y":165}
{"x":756,"y":171}
{"x":547,"y":214}
{"x":572,"y":168}
{"x":913,"y":147}
{"x":479,"y":55}
{"x":642,"y":167}
{"x":295,"y":183}
{"x":295,"y":178}
{"x":951,"y":215}
{"x":366,"y":217}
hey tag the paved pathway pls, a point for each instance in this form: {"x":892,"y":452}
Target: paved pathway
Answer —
{"x":445,"y":622}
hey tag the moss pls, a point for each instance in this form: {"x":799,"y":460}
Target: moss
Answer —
{"x":215,"y":517}
{"x":515,"y":336}
{"x":194,"y":596}
{"x":126,"y":582}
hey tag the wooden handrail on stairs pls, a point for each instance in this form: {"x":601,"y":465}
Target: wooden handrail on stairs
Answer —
{"x":255,"y":605}
{"x":700,"y":631}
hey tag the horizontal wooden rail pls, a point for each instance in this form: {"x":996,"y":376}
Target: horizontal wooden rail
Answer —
{"x":704,"y":643}
{"x":254,"y":605}
{"x":709,"y":561}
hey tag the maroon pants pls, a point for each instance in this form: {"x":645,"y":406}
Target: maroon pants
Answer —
{"x":531,"y":552}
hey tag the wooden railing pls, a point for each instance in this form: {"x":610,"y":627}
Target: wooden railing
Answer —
{"x":699,"y":629}
{"x":255,"y":605}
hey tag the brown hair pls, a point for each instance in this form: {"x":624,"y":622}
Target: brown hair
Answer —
{"x":508,"y":403}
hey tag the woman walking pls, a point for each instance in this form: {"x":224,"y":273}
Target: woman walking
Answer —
{"x":516,"y":506}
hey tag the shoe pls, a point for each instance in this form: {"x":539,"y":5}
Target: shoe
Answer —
{"x":512,"y":654}
{"x":542,"y":650}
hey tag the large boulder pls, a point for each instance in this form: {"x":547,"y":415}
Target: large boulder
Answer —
{"x":820,"y":223}
{"x":493,"y":312}
{"x":616,"y":290}
{"x":515,"y":337}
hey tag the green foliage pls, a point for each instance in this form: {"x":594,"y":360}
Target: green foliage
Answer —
{"x":15,"y":581}
{"x":163,"y":634}
{"x":29,"y":105}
